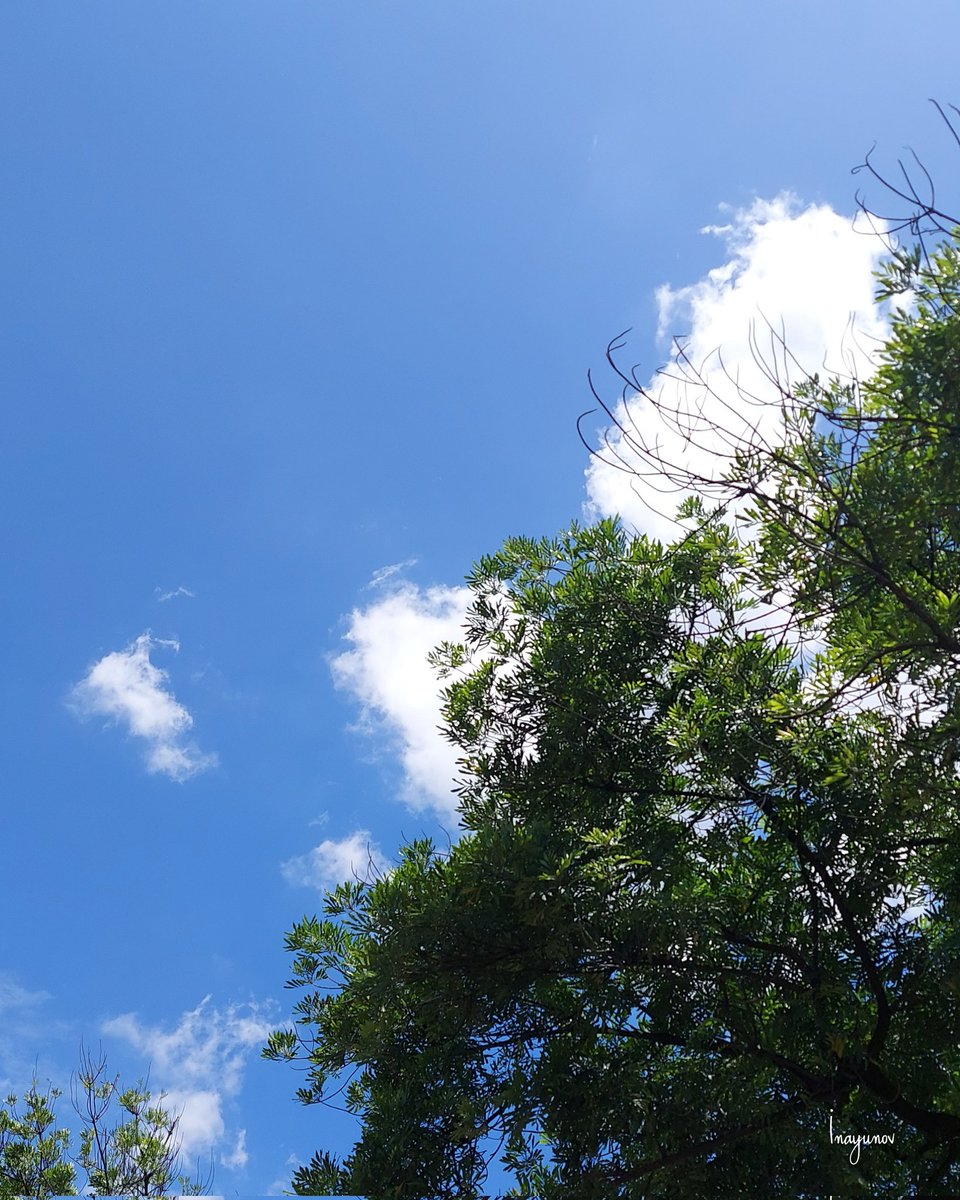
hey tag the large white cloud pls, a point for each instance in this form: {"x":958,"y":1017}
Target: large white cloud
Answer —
{"x":386,"y":670}
{"x":336,"y":861}
{"x":127,"y":687}
{"x":795,"y":292}
{"x":198,"y":1065}
{"x":801,"y":272}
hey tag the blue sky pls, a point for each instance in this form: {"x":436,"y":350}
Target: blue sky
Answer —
{"x":298,"y":300}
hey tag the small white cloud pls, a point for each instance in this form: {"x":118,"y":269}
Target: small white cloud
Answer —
{"x":387,"y":671}
{"x":238,"y":1157}
{"x":163,"y":596}
{"x":128,"y":688}
{"x":382,"y":574}
{"x":14,"y":996}
{"x":805,"y":274}
{"x":25,"y":1024}
{"x":179,"y":762}
{"x":282,"y":1183}
{"x":198,"y":1064}
{"x":334,"y":862}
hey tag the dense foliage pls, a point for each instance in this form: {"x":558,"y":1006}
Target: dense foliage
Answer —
{"x":33,"y":1151}
{"x":703,"y":919}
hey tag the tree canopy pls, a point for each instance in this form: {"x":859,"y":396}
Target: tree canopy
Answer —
{"x":700,"y":933}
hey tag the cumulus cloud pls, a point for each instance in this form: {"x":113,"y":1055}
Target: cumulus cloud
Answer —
{"x":386,"y":670}
{"x":800,"y":274}
{"x":198,"y":1065}
{"x":333,"y":862}
{"x":128,"y":688}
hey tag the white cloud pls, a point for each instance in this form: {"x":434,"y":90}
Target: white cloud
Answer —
{"x":25,"y":1024}
{"x":198,"y":1065}
{"x":14,"y":996}
{"x":382,"y":574}
{"x":238,"y":1157}
{"x":333,"y":862}
{"x":127,"y":687}
{"x":805,"y":274}
{"x":201,"y":1118}
{"x":282,"y":1183}
{"x":163,"y":596}
{"x":387,"y":671}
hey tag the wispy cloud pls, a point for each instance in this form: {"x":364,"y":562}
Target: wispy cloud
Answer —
{"x":238,"y":1157}
{"x":333,"y":862}
{"x":128,"y":688}
{"x":163,"y":596}
{"x":26,"y":1024}
{"x":282,"y":1182}
{"x":14,"y":995}
{"x":382,"y":574}
{"x":803,"y":273}
{"x":199,"y":1064}
{"x":387,"y":671}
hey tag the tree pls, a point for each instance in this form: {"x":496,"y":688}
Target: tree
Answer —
{"x":135,"y":1157}
{"x":701,"y":932}
{"x":32,"y":1149}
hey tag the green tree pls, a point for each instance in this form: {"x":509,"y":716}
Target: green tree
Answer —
{"x":33,"y":1151}
{"x":703,"y":920}
{"x":137,"y":1156}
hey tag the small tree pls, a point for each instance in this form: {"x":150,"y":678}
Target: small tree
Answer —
{"x":139,"y":1156}
{"x":33,"y":1151}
